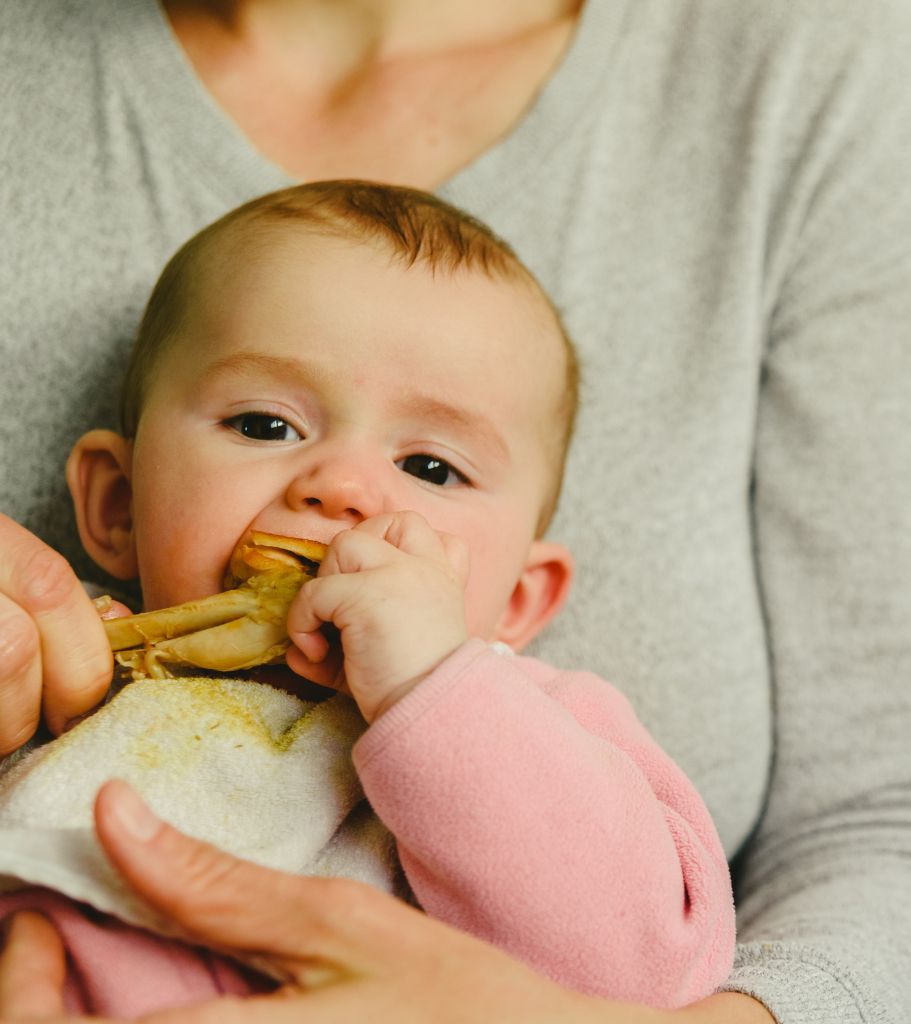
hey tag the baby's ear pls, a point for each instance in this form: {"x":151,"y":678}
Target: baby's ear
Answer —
{"x":98,"y":473}
{"x":538,"y":595}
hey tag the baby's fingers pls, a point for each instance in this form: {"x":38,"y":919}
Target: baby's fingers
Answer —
{"x":408,"y":532}
{"x":313,"y":654}
{"x":319,"y":602}
{"x":379,"y":540}
{"x":325,"y":670}
{"x":458,"y":555}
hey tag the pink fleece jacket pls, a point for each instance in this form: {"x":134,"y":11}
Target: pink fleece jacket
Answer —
{"x":530,"y":808}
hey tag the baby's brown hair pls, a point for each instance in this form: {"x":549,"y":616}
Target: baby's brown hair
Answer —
{"x":415,"y":226}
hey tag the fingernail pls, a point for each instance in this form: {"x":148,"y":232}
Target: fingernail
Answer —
{"x":134,"y":816}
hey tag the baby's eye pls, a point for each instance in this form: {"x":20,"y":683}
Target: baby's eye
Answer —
{"x":432,"y":470}
{"x":262,"y":426}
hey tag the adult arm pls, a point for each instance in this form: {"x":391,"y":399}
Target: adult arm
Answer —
{"x":532,"y":809}
{"x":53,"y":650}
{"x":824,"y":896}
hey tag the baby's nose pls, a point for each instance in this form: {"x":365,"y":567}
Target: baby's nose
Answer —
{"x":336,"y":507}
{"x":342,"y":488}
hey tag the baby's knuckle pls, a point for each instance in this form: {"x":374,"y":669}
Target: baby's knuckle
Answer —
{"x":47,"y":580}
{"x":409,"y":521}
{"x":346,"y":546}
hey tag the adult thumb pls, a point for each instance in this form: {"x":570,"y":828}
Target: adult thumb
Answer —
{"x":212,"y":898}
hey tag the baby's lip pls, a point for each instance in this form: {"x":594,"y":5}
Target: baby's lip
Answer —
{"x":303,"y":547}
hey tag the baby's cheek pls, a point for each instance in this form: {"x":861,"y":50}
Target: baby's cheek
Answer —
{"x":490,"y":586}
{"x":171,"y":576}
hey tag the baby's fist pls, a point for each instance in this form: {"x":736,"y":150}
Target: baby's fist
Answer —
{"x":394,"y":588}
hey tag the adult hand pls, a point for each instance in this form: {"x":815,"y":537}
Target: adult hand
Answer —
{"x":53,"y":649}
{"x":341,"y":950}
{"x":32,"y":969}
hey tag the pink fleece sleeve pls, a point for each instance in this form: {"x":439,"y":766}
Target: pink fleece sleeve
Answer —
{"x":532,"y":809}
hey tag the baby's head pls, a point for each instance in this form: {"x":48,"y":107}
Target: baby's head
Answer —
{"x":324,"y":354}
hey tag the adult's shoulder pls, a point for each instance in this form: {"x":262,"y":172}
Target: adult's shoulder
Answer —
{"x":837,"y":20}
{"x":800,"y":51}
{"x":816,"y":68}
{"x":832,"y":30}
{"x":47,"y":43}
{"x":38,"y":26}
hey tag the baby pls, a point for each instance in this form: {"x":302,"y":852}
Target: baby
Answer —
{"x":367,"y":367}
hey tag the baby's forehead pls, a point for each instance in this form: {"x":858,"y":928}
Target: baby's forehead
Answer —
{"x":543,"y":344}
{"x":264,"y":240}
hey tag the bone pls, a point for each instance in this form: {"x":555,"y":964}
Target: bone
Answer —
{"x":240,"y":628}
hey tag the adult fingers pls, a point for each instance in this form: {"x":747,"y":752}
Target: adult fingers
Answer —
{"x":303,"y":930}
{"x":32,"y":968}
{"x":112,"y":610}
{"x":313,"y":930}
{"x":51,"y":635}
{"x":344,"y":950}
{"x":386,"y":1001}
{"x":283,"y":1007}
{"x":20,"y":676}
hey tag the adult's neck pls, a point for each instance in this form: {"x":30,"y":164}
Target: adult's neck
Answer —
{"x":348,"y":33}
{"x":394,"y":90}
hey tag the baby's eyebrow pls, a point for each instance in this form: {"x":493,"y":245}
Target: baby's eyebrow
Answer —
{"x":260,"y":362}
{"x":430,"y":407}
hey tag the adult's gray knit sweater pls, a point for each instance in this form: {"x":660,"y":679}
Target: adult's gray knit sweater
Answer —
{"x":717,"y":193}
